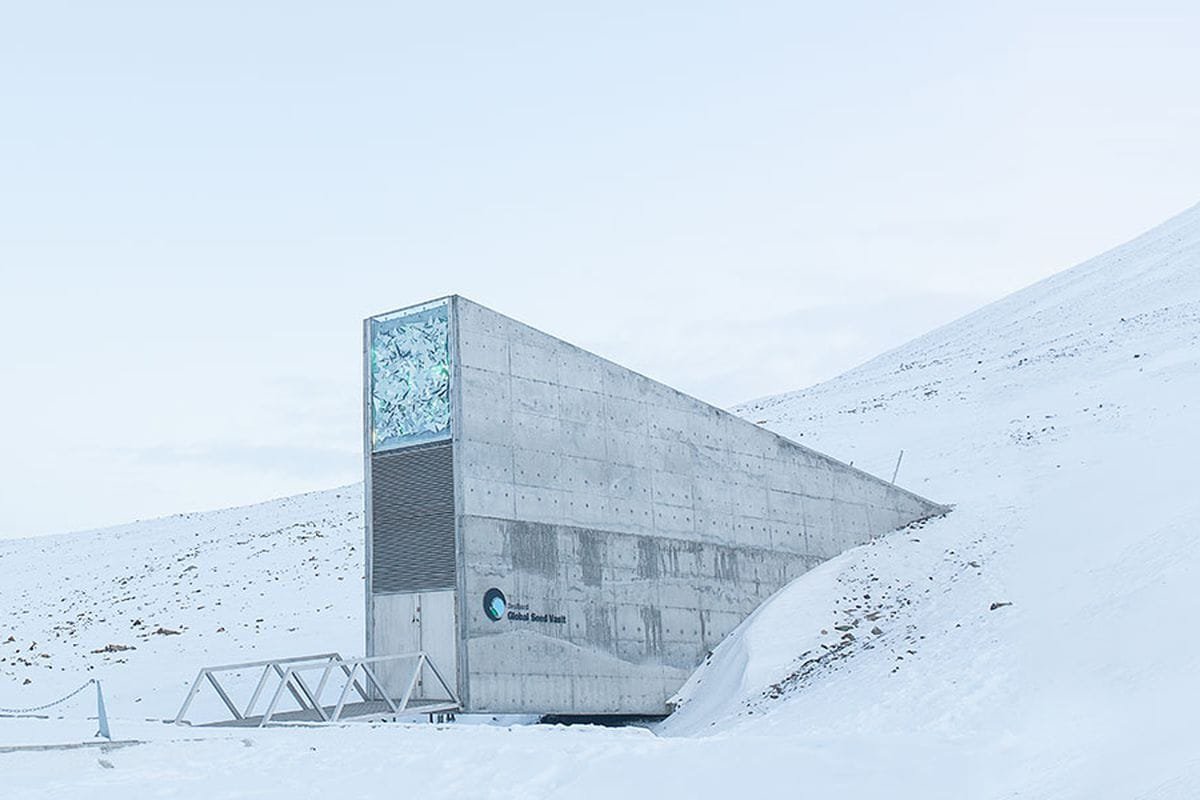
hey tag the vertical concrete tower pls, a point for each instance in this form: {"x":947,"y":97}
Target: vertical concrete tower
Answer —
{"x":563,"y":535}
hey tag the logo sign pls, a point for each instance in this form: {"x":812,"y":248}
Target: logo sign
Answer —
{"x":497,"y":607}
{"x":494,"y":604}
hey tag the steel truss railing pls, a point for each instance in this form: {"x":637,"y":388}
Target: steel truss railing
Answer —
{"x":373,"y":697}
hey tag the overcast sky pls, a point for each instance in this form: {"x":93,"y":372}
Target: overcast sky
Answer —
{"x":199,"y":203}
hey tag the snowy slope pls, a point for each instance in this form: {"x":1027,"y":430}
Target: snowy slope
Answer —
{"x":1061,"y":421}
{"x":283,"y":577}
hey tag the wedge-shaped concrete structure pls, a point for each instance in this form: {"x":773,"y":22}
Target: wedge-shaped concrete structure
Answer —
{"x":565,"y":536}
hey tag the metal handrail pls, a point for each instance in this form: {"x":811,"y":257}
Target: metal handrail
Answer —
{"x":289,"y":671}
{"x":269,"y":665}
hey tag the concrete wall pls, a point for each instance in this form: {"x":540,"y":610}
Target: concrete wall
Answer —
{"x":652,"y":522}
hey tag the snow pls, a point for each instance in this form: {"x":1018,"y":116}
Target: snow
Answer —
{"x":1060,"y":421}
{"x":283,"y":577}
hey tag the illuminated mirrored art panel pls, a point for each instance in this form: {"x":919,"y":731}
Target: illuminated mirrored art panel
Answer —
{"x":410,"y":376}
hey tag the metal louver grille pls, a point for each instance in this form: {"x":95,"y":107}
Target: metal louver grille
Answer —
{"x":412,"y":519}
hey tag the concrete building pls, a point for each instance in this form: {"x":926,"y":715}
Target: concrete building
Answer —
{"x":564,"y":536}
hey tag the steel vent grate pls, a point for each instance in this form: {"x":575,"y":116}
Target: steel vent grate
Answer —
{"x":412,"y":519}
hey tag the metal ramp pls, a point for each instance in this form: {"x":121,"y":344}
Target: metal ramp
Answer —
{"x":348,"y":688}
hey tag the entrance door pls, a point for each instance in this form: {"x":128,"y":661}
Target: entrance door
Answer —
{"x":416,"y":622}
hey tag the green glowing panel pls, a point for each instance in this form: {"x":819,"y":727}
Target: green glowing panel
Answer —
{"x":410,"y":376}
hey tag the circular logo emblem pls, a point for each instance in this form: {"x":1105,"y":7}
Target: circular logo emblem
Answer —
{"x":494,"y":604}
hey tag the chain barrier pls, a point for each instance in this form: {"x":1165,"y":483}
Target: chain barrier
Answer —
{"x":47,"y":705}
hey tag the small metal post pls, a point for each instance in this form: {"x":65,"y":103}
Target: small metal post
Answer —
{"x":897,"y":470}
{"x":101,"y":714}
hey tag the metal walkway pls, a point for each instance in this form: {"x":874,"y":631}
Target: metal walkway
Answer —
{"x":359,"y":692}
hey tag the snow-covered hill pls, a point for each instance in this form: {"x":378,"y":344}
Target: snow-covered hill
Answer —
{"x":143,"y":606}
{"x":1035,"y":643}
{"x":1063,"y":422}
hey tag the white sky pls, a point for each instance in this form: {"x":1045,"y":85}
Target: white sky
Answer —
{"x":200,"y":202}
